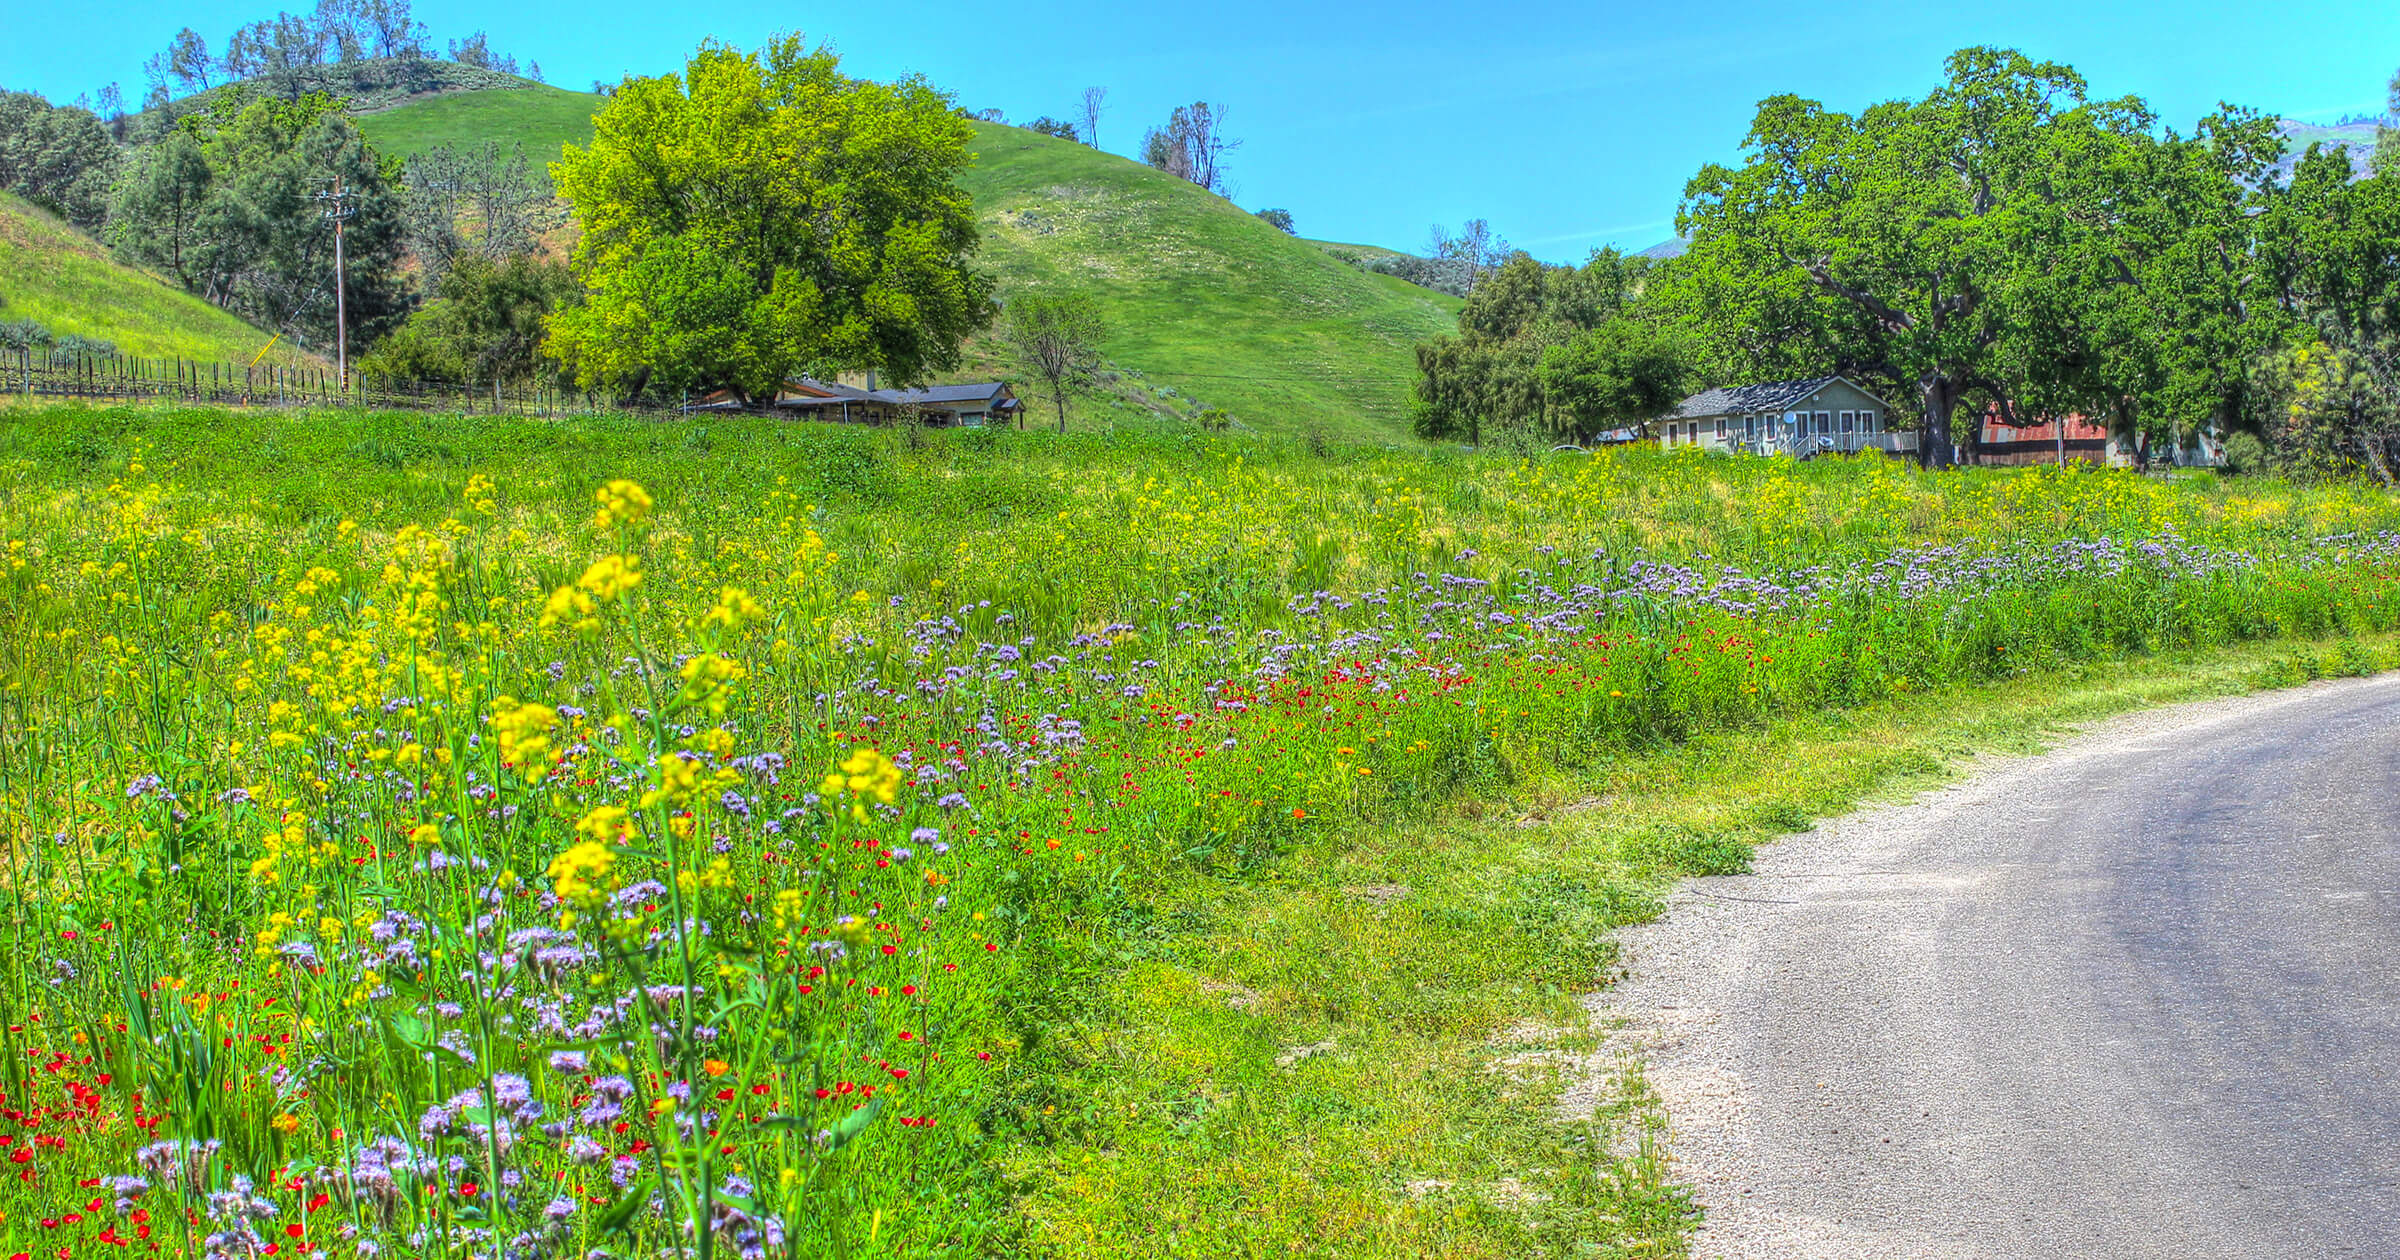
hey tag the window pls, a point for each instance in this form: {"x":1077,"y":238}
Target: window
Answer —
{"x":1866,"y":422}
{"x":1849,"y":421}
{"x":1720,"y":426}
{"x":1824,"y":422}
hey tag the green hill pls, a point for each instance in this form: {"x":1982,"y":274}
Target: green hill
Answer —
{"x":68,"y":283}
{"x":1204,"y":302}
{"x":537,"y":116}
{"x":1201,"y":294}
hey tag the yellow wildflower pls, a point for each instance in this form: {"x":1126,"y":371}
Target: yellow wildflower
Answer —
{"x":706,"y":679}
{"x":734,"y":609}
{"x":678,"y":778}
{"x":582,"y":872}
{"x":569,"y":606}
{"x":621,"y":502}
{"x":872,"y":774}
{"x":524,"y":733}
{"x":611,"y":576}
{"x":607,"y":824}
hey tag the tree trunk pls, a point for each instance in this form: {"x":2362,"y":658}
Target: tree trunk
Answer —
{"x":1058,"y":394}
{"x":2377,"y":448}
{"x":1940,"y":397}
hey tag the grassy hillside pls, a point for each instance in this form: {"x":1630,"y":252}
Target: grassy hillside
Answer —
{"x":1201,"y":294}
{"x":67,"y":282}
{"x":1205,"y":303}
{"x":537,"y":116}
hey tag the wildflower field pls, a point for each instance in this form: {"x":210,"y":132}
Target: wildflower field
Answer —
{"x":456,"y":836}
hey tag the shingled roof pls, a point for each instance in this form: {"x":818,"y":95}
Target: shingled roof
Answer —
{"x":833,"y":394}
{"x":936,"y":394}
{"x":1743,"y":400}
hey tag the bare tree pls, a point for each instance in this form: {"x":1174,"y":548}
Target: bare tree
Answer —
{"x":112,"y":110}
{"x":1094,"y":98}
{"x":479,"y":203}
{"x":1192,"y":146}
{"x":1056,"y":335}
{"x":345,"y":25}
{"x":394,"y":34}
{"x":476,"y":50}
{"x":1469,"y":256}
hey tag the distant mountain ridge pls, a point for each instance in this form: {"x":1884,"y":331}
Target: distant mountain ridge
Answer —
{"x":2357,"y":138}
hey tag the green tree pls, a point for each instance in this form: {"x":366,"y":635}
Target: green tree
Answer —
{"x":59,"y":158}
{"x":1056,"y":334}
{"x":1625,"y":372}
{"x":484,"y":326}
{"x":2150,"y":300}
{"x":1279,"y":219}
{"x":2331,"y":244}
{"x":761,"y":216}
{"x":232,"y":204}
{"x":1491,"y":375}
{"x":1901,"y":239}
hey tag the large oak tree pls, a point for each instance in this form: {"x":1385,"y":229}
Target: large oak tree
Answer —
{"x":763,"y":215}
{"x":1909,"y":244}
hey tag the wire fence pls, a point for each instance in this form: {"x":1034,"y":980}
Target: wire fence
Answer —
{"x":34,"y":373}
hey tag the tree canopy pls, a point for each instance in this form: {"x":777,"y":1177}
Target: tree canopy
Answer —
{"x":484,"y":325}
{"x":228,"y":203}
{"x":2005,"y":240}
{"x":58,"y":157}
{"x":1552,"y":352}
{"x":761,"y":216}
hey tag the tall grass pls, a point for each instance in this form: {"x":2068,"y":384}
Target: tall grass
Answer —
{"x":442,"y":835}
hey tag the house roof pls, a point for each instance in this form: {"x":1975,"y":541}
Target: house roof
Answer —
{"x":810,"y":392}
{"x":1742,"y":400}
{"x":934,"y":394}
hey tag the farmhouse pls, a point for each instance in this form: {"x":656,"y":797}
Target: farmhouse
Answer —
{"x":940,"y":406}
{"x":1818,"y":416}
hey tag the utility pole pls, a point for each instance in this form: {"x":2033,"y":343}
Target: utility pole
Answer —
{"x":339,"y":211}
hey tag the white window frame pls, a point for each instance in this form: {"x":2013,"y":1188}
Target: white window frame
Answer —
{"x":1720,"y":428}
{"x":1824,"y":422}
{"x":1849,"y":421}
{"x":1866,"y":422}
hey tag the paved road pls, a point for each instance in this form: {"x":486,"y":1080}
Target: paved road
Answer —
{"x":2136,"y":998}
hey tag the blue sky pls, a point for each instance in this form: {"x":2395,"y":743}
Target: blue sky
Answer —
{"x":1567,"y":126}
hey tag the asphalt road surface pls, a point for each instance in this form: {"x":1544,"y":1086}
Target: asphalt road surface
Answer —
{"x":2138,"y":997}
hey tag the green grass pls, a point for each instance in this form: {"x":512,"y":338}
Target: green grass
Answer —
{"x":67,"y":282}
{"x":1299,"y":805}
{"x":1199,"y":294}
{"x":1406,"y":1005}
{"x":1205,"y":304}
{"x":537,"y":117}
